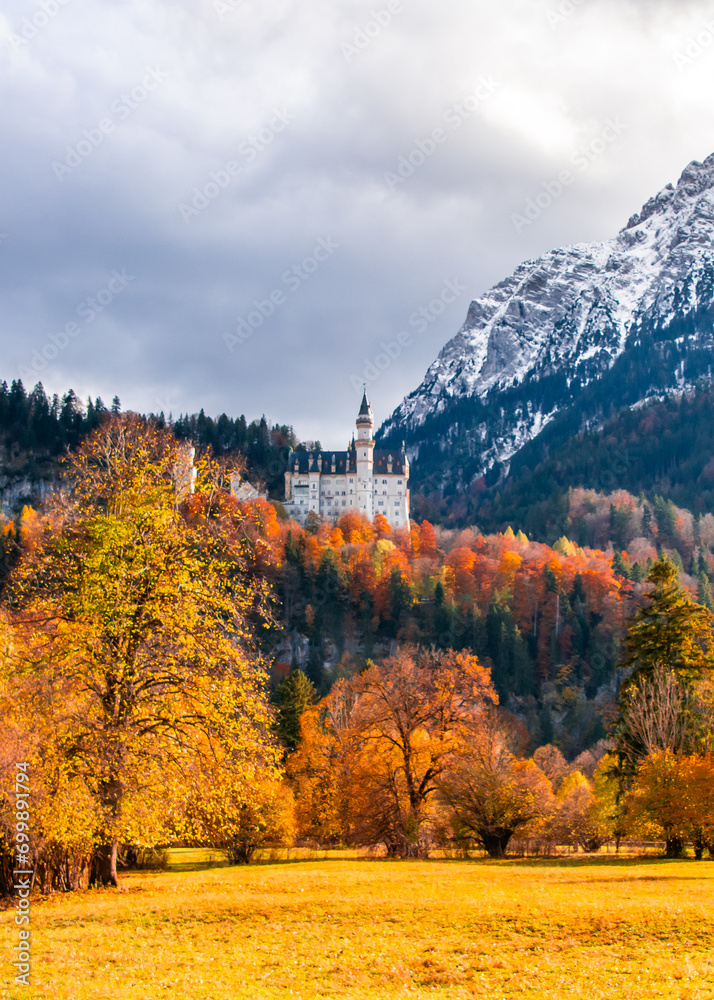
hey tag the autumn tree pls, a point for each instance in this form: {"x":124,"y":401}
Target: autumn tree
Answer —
{"x":65,"y":815}
{"x":218,"y":812}
{"x":136,"y":610}
{"x":552,"y":763}
{"x":660,"y":803}
{"x":656,"y":715}
{"x":428,"y":546}
{"x":579,"y":818}
{"x":321,"y":769}
{"x":382,"y":526}
{"x":609,"y":803}
{"x":413,"y":713}
{"x":491,"y":792}
{"x":373,"y":751}
{"x":356,"y":528}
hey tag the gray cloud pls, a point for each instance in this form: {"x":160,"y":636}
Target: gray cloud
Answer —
{"x":318,"y":107}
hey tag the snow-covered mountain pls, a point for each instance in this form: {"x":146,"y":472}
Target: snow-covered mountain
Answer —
{"x":589,"y":315}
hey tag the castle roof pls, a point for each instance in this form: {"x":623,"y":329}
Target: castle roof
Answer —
{"x":397,"y":459}
{"x":304,"y":462}
{"x":345,"y":462}
{"x":365,"y":409}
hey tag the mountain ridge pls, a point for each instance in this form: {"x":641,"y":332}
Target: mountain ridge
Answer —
{"x":535,"y":341}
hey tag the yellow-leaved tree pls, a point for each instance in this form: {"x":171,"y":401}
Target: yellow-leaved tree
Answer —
{"x":672,"y":798}
{"x":135,"y":617}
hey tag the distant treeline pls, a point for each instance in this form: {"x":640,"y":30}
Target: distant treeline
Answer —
{"x":265,"y":448}
{"x":36,"y":429}
{"x":32,"y":422}
{"x":663,"y":449}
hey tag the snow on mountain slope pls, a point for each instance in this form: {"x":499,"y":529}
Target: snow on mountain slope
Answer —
{"x":571,"y":311}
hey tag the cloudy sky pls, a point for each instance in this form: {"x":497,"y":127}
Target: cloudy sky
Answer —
{"x":235,"y":205}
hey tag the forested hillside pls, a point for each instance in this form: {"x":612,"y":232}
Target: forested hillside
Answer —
{"x":546,"y":621}
{"x":36,"y":430}
{"x":459,"y":689}
{"x":542,"y":601}
{"x":663,"y":448}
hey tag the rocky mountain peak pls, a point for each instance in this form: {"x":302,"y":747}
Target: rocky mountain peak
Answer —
{"x":696,"y":179}
{"x":563,"y":320}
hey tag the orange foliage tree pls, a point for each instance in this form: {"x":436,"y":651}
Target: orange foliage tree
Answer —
{"x":384,"y":740}
{"x":355,"y":528}
{"x":491,"y":792}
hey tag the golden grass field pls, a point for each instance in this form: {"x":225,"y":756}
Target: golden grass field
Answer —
{"x":379,"y":930}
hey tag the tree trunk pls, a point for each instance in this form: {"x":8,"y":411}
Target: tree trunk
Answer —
{"x":495,"y":844}
{"x":104,"y":865}
{"x":674,"y":847}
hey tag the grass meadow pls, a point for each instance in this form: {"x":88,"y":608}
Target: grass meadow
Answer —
{"x":374,"y":929}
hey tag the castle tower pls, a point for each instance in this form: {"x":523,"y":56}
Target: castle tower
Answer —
{"x":364,"y":446}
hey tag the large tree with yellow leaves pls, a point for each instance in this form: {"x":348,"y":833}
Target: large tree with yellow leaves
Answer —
{"x":135,"y":618}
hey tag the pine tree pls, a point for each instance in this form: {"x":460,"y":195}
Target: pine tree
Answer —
{"x":665,"y":516}
{"x":704,"y":592}
{"x":442,"y":618}
{"x":619,"y":565}
{"x":646,"y":519}
{"x":671,"y":632}
{"x":400,"y":601}
{"x":294,"y":695}
{"x":619,"y":524}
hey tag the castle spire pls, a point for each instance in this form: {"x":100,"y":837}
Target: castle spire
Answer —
{"x":364,"y":458}
{"x":365,"y":418}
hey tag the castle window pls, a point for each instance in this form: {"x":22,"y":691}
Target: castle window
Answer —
{"x":399,"y":482}
{"x":384,"y":482}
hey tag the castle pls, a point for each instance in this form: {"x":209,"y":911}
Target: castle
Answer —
{"x":359,"y":479}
